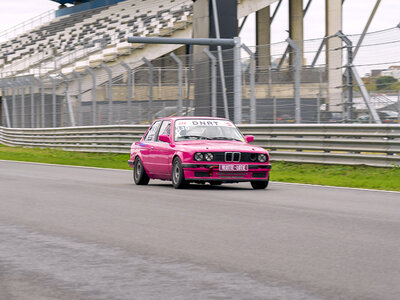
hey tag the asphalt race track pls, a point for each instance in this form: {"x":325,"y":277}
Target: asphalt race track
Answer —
{"x":84,"y":233}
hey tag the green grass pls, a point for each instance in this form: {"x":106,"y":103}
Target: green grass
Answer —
{"x":54,"y":156}
{"x":334,"y":175}
{"x":338,"y":175}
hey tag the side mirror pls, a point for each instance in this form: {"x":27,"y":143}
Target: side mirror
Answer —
{"x":249,"y":138}
{"x":164,"y":138}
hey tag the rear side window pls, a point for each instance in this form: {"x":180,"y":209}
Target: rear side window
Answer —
{"x":152,"y":133}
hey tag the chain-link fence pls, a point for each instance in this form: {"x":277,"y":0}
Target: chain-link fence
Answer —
{"x":285,"y":82}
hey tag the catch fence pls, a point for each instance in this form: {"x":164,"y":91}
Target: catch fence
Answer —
{"x":278,"y":85}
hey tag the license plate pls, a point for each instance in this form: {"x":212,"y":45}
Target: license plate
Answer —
{"x":233,"y":168}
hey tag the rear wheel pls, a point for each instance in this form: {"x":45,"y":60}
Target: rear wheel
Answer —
{"x":178,"y":177}
{"x":139,"y":173}
{"x":259,"y":185}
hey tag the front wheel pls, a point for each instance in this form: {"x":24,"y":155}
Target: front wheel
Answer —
{"x":259,"y":185}
{"x":139,"y":173}
{"x":178,"y":177}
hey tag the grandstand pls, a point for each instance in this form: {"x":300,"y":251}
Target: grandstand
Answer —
{"x":101,"y":31}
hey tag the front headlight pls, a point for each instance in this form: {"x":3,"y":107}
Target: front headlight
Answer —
{"x":209,"y":156}
{"x":262,"y":158}
{"x":198,"y":156}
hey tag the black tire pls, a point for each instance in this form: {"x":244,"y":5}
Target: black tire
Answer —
{"x":139,"y":173}
{"x":178,"y":177}
{"x":259,"y":185}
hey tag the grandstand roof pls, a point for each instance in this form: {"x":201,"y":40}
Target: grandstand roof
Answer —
{"x":69,"y":1}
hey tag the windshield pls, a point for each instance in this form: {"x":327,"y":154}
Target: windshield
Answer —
{"x":203,"y":129}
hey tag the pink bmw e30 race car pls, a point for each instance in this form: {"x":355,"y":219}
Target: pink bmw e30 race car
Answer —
{"x":198,"y":150}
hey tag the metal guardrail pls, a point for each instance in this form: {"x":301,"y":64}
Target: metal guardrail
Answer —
{"x":361,"y":144}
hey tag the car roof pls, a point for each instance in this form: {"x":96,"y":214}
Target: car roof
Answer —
{"x":190,"y":118}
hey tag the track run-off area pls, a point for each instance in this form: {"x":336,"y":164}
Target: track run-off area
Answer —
{"x":86,"y":233}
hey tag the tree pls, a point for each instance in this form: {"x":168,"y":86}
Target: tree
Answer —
{"x":385,"y":82}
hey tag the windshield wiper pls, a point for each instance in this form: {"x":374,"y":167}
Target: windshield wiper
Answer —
{"x":199,"y":137}
{"x":224,"y":138}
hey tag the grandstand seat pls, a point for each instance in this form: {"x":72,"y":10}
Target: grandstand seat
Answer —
{"x":112,"y":24}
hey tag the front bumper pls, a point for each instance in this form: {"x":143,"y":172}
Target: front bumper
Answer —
{"x":210,"y":172}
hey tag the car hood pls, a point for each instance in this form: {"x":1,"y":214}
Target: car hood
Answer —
{"x":216,"y":146}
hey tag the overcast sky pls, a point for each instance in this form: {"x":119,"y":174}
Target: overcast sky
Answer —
{"x":355,"y":15}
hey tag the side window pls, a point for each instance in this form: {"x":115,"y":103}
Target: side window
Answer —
{"x":151,"y":134}
{"x":165,"y":128}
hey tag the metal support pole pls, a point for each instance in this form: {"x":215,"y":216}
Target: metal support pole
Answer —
{"x":14,"y":106}
{"x":237,"y":79}
{"x":159,"y":84}
{"x":110,"y":104}
{"x":283,"y":58}
{"x":275,"y":11}
{"x":213,"y":82}
{"x":180,"y":74}
{"x":365,"y":96}
{"x":348,"y":108}
{"x":297,"y":68}
{"x":42,"y":110}
{"x":398,"y":107}
{"x":252,"y":84}
{"x":183,"y":41}
{"x":79,"y":78}
{"x":274,"y":109}
{"x":241,"y":25}
{"x":69,"y":104}
{"x":269,"y":82}
{"x":129,"y":88}
{"x":307,"y":7}
{"x":366,"y":28}
{"x":321,"y":46}
{"x":319,"y":97}
{"x":150,"y":103}
{"x":5,"y":108}
{"x":31,"y":91}
{"x":53,"y":84}
{"x":22,"y":89}
{"x":220,"y":59}
{"x":94,"y":112}
{"x":318,"y":108}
